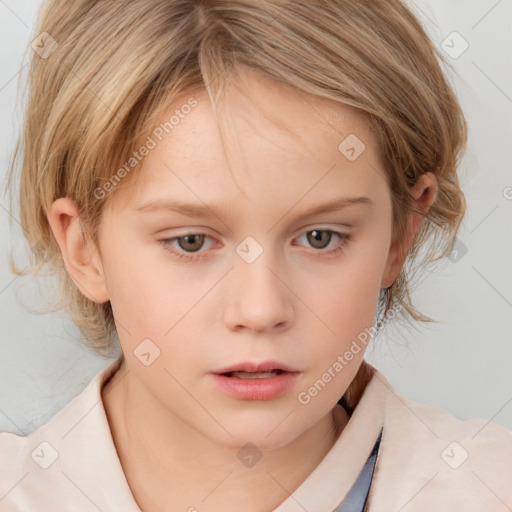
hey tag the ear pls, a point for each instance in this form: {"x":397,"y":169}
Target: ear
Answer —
{"x":424,"y":192}
{"x":80,"y":255}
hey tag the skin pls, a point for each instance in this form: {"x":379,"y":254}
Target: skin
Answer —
{"x":177,"y":434}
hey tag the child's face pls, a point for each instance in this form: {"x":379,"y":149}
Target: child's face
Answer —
{"x":297,"y":303}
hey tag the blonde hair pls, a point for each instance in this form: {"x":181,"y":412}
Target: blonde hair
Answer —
{"x":119,"y":65}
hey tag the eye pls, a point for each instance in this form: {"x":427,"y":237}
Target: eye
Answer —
{"x":189,"y":243}
{"x":321,"y":238}
{"x":184,"y":247}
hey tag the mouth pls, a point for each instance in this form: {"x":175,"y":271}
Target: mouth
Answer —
{"x":256,"y":381}
{"x":253,"y":375}
{"x":253,"y":370}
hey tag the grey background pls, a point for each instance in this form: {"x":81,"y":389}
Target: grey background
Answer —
{"x":462,"y":363}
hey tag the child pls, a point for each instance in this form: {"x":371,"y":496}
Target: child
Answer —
{"x":306,"y":151}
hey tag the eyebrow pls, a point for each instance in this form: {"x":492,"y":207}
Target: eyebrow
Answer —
{"x":196,"y":210}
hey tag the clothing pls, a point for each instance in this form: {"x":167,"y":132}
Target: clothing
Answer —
{"x":357,"y":497}
{"x":428,"y":460}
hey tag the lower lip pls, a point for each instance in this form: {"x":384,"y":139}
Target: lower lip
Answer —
{"x":256,"y":389}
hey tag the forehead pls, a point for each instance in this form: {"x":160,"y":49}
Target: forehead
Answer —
{"x":266,"y":137}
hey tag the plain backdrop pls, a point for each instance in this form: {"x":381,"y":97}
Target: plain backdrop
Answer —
{"x":462,"y":363}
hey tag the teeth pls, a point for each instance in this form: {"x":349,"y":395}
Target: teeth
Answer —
{"x":254,"y":375}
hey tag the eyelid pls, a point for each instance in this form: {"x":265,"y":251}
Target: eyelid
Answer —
{"x":337,"y":227}
{"x":189,"y":233}
{"x":343,"y":229}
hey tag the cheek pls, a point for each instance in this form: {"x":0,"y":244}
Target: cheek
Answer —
{"x":142,"y":300}
{"x":347,"y":302}
{"x":156,"y":301}
{"x":351,"y":292}
{"x":349,"y":312}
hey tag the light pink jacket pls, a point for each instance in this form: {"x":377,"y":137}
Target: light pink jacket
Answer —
{"x":429,"y":460}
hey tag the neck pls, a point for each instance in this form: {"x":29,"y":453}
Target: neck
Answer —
{"x":167,"y":462}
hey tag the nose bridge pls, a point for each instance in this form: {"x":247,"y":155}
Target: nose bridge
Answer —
{"x":260,"y":301}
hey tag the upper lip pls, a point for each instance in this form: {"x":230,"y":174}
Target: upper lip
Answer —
{"x":250,"y":366}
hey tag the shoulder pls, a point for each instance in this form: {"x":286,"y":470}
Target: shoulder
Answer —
{"x":438,"y":461}
{"x":12,"y":449}
{"x":64,"y":454}
{"x":28,"y":463}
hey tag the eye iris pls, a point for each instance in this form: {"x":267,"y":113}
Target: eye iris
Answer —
{"x":319,"y":235}
{"x":190,"y":240}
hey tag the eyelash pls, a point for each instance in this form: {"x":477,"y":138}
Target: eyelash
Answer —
{"x":345,"y":239}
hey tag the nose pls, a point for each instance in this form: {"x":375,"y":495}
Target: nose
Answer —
{"x":259,"y":298}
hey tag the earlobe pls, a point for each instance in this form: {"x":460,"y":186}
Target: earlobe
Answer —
{"x":398,"y":253}
{"x":80,"y":256}
{"x":424,"y":192}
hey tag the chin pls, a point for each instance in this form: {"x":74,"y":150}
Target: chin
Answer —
{"x":262,"y":437}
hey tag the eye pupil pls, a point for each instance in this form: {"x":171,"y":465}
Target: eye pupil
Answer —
{"x":189,"y":239}
{"x":319,"y":235}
